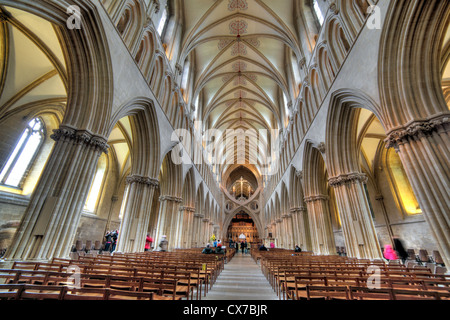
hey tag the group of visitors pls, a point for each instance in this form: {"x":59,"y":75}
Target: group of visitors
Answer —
{"x":111,"y":240}
{"x":163,"y":243}
{"x":217,"y":248}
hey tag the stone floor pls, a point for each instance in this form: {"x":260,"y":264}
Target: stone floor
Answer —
{"x":241,"y":279}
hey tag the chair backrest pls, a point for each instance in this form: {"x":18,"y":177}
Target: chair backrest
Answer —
{"x":79,"y":245}
{"x":423,"y":255}
{"x":437,"y":257}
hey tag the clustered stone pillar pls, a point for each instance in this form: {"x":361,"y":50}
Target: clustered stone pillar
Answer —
{"x":357,"y":224}
{"x":301,"y":228}
{"x":322,"y":236}
{"x":168,"y":218}
{"x":288,"y":231}
{"x":196,"y":229}
{"x":188,"y":224}
{"x":279,"y":232}
{"x":137,"y":213}
{"x":423,"y":148}
{"x":50,"y":222}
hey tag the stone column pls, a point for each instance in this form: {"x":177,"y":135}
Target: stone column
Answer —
{"x":204,"y":232}
{"x":274,"y":231}
{"x":137,"y":213}
{"x":423,"y":148}
{"x":301,"y":228}
{"x":50,"y":222}
{"x":197,"y":227}
{"x":322,"y":237}
{"x":279,"y":232}
{"x":357,"y":224}
{"x":287,"y":228}
{"x":187,"y":229}
{"x":167,"y":219}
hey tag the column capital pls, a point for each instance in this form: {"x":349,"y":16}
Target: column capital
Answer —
{"x":297,"y":209}
{"x":417,"y":129}
{"x":348,"y":178}
{"x":186,"y":208}
{"x":170,"y":198}
{"x":135,"y":178}
{"x":319,"y":197}
{"x":83,"y":137}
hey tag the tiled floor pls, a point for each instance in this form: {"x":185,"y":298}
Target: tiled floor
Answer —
{"x":241,"y":279}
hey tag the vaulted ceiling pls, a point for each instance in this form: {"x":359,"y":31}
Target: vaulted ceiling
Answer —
{"x":242,"y":52}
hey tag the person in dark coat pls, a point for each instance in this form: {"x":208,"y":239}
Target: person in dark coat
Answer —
{"x":262,"y":248}
{"x":208,"y":249}
{"x":402,"y":253}
{"x":114,"y":236}
{"x":298,"y":249}
{"x":108,"y":238}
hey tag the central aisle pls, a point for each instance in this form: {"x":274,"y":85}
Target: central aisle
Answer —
{"x":241,"y":279}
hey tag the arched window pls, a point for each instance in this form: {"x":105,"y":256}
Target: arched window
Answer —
{"x":162,"y":22}
{"x":19,"y":162}
{"x":96,"y":186}
{"x":318,"y":12}
{"x":401,"y":185}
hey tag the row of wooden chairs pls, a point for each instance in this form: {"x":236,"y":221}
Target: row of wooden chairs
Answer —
{"x":172,"y":276}
{"x":365,"y":293}
{"x":163,"y":288}
{"x":49,"y":292}
{"x":292,"y":277}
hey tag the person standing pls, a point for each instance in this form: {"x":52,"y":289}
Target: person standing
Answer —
{"x":114,"y":236}
{"x":402,"y":253}
{"x":108,"y":238}
{"x":163,"y":244}
{"x":148,"y":242}
{"x":389,"y":253}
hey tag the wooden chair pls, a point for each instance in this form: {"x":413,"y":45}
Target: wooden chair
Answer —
{"x":327,"y":292}
{"x":438,"y":258}
{"x":364,"y":293}
{"x":11,"y":291}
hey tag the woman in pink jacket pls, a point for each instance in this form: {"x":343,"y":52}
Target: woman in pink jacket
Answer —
{"x":389,"y":253}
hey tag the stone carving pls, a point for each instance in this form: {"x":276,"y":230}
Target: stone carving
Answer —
{"x":171,"y":198}
{"x":83,"y":137}
{"x":320,"y":197}
{"x":415,"y":130}
{"x":354,"y":177}
{"x":135,"y":178}
{"x":321,"y":147}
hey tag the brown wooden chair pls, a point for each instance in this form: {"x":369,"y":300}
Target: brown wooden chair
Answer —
{"x":327,"y":292}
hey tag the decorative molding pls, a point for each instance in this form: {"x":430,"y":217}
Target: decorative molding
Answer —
{"x":319,"y":197}
{"x":417,"y":129}
{"x":297,"y":209}
{"x":344,"y":179}
{"x":135,"y":178}
{"x":237,"y":5}
{"x":321,"y":147}
{"x":84,"y":137}
{"x":171,"y":198}
{"x":186,"y":208}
